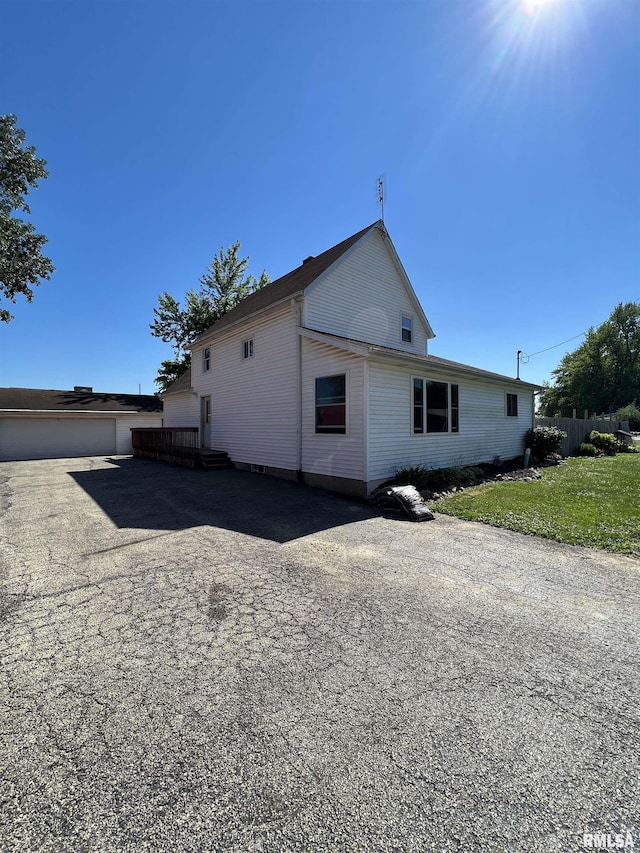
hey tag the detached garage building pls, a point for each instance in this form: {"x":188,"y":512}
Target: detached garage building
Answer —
{"x":39,"y":424}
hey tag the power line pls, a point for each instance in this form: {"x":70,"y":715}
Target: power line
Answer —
{"x":526,"y":356}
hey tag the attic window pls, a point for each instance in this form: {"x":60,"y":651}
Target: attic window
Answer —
{"x":407,"y":329}
{"x":247,"y":348}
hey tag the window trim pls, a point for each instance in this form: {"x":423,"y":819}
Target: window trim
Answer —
{"x":513,"y":396}
{"x":408,"y":317}
{"x":248,"y":349}
{"x":331,"y":432}
{"x":453,"y":411}
{"x":206,"y":359}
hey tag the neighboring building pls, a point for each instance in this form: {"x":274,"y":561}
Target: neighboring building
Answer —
{"x":40,"y":424}
{"x":324,"y":374}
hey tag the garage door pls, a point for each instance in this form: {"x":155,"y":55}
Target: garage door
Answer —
{"x":50,"y":438}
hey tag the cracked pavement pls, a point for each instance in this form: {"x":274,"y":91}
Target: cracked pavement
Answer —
{"x":219,"y":661}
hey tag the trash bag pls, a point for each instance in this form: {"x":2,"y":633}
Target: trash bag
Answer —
{"x":406,"y":499}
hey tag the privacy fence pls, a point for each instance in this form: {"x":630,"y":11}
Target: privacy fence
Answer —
{"x":578,"y":428}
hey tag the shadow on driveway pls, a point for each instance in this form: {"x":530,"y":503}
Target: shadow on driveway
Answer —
{"x":137,"y":493}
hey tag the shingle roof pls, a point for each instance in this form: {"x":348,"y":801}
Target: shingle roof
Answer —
{"x":36,"y":399}
{"x":182,"y":383}
{"x":428,"y":360}
{"x":287,"y":285}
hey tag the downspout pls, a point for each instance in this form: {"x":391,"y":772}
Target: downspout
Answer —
{"x":296,"y":305}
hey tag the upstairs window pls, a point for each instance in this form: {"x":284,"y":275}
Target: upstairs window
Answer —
{"x":435,"y":406}
{"x":407,"y":329}
{"x":206,"y":359}
{"x":512,"y":405}
{"x":247,"y":348}
{"x":331,"y":404}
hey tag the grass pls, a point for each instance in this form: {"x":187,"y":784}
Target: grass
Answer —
{"x":592,"y":502}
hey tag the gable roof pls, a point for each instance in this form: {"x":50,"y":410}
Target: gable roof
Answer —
{"x":182,"y":383}
{"x":41,"y":400}
{"x":288,"y":285}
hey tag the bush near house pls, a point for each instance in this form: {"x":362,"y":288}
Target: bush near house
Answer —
{"x":587,"y":449}
{"x":544,"y":441}
{"x":438,"y":479}
{"x":604,"y":441}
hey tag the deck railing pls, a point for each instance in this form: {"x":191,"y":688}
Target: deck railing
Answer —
{"x":179,"y":445}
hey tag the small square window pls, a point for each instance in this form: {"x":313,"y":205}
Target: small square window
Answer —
{"x":407,"y":329}
{"x":206,"y":359}
{"x":512,"y":405}
{"x":247,"y":348}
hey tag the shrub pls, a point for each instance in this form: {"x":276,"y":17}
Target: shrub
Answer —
{"x":604,"y":441}
{"x":437,"y":479}
{"x":544,"y":441}
{"x":587,"y":449}
{"x":630,"y":413}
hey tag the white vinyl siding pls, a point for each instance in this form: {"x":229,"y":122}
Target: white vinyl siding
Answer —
{"x":181,"y":410}
{"x":365,"y":298}
{"x":125,"y":425}
{"x":253,"y":401}
{"x":56,"y":438}
{"x":484,"y":433}
{"x":333,"y":454}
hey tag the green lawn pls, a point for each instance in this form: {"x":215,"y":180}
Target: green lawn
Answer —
{"x":593,"y":502}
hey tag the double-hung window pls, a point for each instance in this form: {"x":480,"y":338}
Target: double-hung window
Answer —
{"x":331,"y":404}
{"x":206,"y":359}
{"x":406,"y":328}
{"x":512,"y":405}
{"x":435,"y":406}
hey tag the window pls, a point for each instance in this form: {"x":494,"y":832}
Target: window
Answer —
{"x":247,"y":349}
{"x":407,"y":329}
{"x":206,"y":359}
{"x":331,"y":404}
{"x":435,"y":406}
{"x":512,"y":405}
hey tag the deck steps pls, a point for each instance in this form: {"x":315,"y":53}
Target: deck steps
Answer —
{"x":214,"y":460}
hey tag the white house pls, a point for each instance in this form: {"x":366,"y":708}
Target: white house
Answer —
{"x":37,"y":423}
{"x":324,"y":375}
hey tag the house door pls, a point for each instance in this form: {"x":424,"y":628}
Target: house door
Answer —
{"x":205,"y":423}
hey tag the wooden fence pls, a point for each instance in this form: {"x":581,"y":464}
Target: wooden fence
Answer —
{"x":578,"y":429}
{"x":178,"y":445}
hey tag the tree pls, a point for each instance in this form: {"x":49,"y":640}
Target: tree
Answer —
{"x":22,"y":264}
{"x":224,"y":283}
{"x":603,"y":372}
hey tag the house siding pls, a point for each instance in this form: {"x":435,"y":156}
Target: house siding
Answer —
{"x":181,"y":410}
{"x":253,"y":400}
{"x":364,"y":297}
{"x":338,"y":456}
{"x":125,"y":425}
{"x":485,"y":430}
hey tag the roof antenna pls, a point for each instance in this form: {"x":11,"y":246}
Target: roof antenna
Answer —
{"x":381,"y":197}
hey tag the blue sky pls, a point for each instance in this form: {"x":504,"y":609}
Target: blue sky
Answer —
{"x":508,"y":133}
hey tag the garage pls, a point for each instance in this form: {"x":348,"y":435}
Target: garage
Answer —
{"x":51,"y":438}
{"x":42,"y":424}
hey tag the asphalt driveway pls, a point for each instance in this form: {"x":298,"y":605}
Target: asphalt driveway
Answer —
{"x":197,"y":661}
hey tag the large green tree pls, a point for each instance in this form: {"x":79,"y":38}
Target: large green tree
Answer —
{"x":22,"y":264}
{"x":604,"y":371}
{"x":224,"y":283}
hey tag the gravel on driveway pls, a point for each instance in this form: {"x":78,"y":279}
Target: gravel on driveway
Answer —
{"x":219,"y":661}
